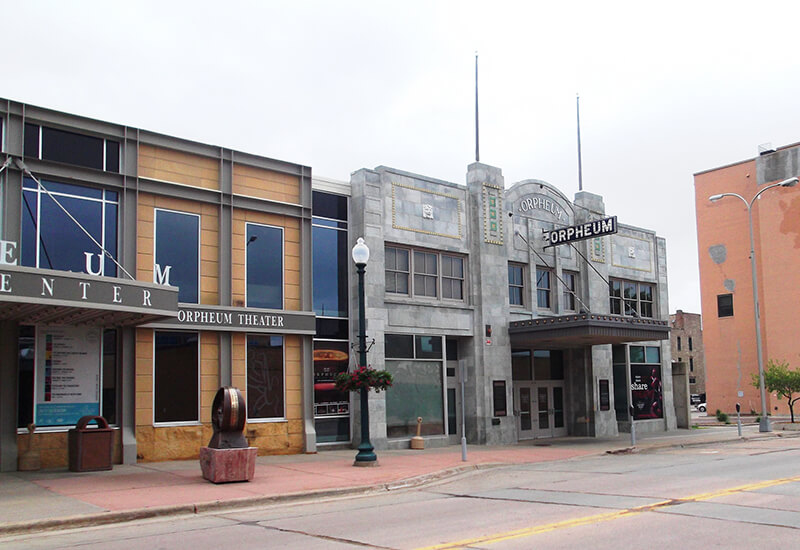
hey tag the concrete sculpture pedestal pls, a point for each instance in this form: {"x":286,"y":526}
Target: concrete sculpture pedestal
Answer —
{"x":226,"y":465}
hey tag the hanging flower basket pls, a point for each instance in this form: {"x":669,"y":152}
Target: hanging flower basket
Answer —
{"x":364,"y":377}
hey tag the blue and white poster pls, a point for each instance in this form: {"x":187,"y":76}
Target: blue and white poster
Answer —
{"x":67,"y":374}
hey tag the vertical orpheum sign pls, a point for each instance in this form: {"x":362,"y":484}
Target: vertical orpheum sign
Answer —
{"x":492,"y":209}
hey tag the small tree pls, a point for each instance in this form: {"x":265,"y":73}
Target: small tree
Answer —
{"x":779,"y":379}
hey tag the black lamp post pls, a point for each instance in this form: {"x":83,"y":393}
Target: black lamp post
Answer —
{"x":366,"y":456}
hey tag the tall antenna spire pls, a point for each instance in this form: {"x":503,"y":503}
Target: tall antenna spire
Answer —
{"x":477,"y":139}
{"x":580,"y":167}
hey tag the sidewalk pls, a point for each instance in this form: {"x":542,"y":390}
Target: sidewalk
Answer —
{"x":52,"y":499}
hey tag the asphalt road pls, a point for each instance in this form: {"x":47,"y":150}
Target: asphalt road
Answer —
{"x":734,"y":495}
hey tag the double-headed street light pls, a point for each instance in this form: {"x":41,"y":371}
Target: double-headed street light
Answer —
{"x":366,"y":455}
{"x":764,"y":425}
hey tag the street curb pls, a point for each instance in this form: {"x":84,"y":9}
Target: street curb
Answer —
{"x":107,"y":518}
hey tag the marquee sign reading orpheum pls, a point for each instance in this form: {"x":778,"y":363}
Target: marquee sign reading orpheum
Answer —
{"x":588,"y":230}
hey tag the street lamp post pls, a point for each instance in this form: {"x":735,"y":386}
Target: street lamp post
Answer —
{"x":366,"y":456}
{"x":764,"y":425}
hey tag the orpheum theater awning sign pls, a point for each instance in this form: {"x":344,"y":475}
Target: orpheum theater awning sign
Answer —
{"x":588,"y":230}
{"x":49,"y":296}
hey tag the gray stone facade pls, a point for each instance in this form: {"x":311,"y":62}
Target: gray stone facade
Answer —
{"x":489,"y":225}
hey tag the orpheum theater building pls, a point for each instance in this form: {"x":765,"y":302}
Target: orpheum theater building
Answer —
{"x":141,"y":272}
{"x":138,"y":274}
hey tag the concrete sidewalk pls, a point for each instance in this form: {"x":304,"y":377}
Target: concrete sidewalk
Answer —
{"x":53,"y":499}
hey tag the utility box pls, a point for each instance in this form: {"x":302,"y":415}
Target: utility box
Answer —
{"x":90,"y":449}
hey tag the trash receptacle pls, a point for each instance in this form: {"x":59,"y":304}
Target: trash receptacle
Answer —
{"x":90,"y":449}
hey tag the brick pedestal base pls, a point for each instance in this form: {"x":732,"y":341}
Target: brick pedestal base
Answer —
{"x":226,"y":465}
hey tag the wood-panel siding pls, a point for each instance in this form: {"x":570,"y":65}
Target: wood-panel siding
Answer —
{"x":265,"y":184}
{"x":163,"y":164}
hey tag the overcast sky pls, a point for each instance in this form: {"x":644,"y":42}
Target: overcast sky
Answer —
{"x":667,"y":89}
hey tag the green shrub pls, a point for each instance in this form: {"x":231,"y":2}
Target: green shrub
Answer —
{"x":722,"y":417}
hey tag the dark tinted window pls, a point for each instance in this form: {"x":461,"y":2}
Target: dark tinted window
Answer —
{"x":31,"y":141}
{"x":110,"y":375}
{"x":112,"y":156}
{"x":331,"y":260}
{"x":499,"y":397}
{"x":725,"y":305}
{"x":265,"y":376}
{"x":332,"y":329}
{"x":264,"y":266}
{"x":72,"y":148}
{"x":327,"y":205}
{"x":176,"y":377}
{"x":399,"y":346}
{"x":178,"y":252}
{"x":61,"y":243}
{"x":451,"y":348}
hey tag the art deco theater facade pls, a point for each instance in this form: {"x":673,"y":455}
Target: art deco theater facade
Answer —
{"x":141,"y":272}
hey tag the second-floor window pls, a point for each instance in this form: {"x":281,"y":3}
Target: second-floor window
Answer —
{"x":52,"y":240}
{"x":177,"y":253}
{"x":543,"y":287}
{"x":570,"y":290}
{"x":516,"y":284}
{"x":264,"y":252}
{"x":630,"y":298}
{"x":423,"y":273}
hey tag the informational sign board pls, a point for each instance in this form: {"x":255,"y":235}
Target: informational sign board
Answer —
{"x":67,"y":374}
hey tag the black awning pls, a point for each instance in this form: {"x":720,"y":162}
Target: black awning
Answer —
{"x":44,"y":296}
{"x":584,"y":329}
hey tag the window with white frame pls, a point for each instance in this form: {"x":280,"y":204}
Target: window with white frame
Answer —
{"x":435,"y":274}
{"x":397,"y":270}
{"x":544,"y":281}
{"x":570,"y":290}
{"x":265,"y":377}
{"x":426,"y":271}
{"x":264,"y":252}
{"x":177,"y":253}
{"x":630,"y":298}
{"x":452,"y":277}
{"x":176,"y":375}
{"x":516,"y":284}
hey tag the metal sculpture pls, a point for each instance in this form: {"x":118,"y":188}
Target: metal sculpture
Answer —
{"x":228,"y":417}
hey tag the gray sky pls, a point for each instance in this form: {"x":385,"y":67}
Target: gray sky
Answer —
{"x":667,"y":89}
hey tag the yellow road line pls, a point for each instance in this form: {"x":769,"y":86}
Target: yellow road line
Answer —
{"x":597,"y":518}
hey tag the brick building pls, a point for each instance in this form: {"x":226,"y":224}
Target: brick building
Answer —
{"x":686,"y":340}
{"x":726,"y":278}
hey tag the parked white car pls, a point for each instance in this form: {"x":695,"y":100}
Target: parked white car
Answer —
{"x":701,"y":407}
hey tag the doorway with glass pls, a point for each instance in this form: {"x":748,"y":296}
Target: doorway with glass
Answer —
{"x":539,"y":393}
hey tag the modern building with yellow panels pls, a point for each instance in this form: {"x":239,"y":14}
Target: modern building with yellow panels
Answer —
{"x":138,"y":274}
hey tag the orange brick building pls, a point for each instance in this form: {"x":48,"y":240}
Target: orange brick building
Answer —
{"x":726,"y":281}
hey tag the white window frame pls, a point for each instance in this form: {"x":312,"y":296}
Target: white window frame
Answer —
{"x":283,"y":368}
{"x":156,"y":210}
{"x":283,"y":261}
{"x":197,"y":422}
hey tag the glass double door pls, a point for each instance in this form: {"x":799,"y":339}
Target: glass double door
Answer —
{"x":540,"y":409}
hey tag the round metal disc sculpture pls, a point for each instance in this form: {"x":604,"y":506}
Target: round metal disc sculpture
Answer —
{"x":228,"y":417}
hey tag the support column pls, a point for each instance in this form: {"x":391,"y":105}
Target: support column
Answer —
{"x":9,"y":369}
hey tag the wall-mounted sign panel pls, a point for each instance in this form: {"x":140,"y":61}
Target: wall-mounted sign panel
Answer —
{"x":67,"y":374}
{"x":588,"y":230}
